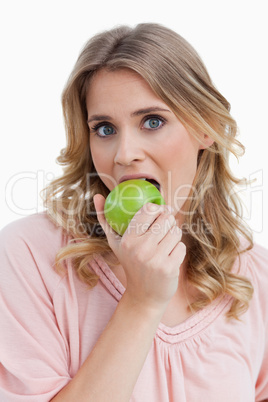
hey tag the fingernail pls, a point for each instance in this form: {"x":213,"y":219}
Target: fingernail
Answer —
{"x":153,"y":207}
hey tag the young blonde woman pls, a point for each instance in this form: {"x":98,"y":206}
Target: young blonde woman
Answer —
{"x":174,"y":310}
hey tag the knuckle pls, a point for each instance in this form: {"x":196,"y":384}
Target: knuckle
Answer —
{"x":176,"y":231}
{"x":167,"y":225}
{"x":125,"y":244}
{"x":172,"y":221}
{"x":151,"y":208}
{"x":139,"y":254}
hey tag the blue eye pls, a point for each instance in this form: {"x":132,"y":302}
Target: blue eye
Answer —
{"x":153,"y":123}
{"x":106,"y":130}
{"x":103,"y":130}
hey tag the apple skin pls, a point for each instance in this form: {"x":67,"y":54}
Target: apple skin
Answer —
{"x":126,"y":199}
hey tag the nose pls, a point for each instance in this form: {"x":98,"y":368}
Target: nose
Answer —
{"x":128,"y":149}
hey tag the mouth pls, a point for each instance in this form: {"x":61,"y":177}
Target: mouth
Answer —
{"x":150,"y":179}
{"x":145,"y":177}
{"x":154,"y":182}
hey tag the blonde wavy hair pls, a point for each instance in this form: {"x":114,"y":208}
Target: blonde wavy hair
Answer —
{"x":178,"y":76}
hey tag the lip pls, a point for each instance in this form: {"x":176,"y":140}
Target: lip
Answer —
{"x":137,"y":176}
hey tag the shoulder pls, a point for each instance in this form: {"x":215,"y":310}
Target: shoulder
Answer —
{"x":29,"y":226}
{"x":254,"y":265}
{"x":28,"y":247}
{"x":35,"y":230}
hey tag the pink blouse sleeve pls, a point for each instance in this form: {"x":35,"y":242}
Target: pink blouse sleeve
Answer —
{"x":258,"y":267}
{"x":34,"y":357}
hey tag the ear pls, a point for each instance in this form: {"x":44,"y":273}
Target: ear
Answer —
{"x":206,"y":141}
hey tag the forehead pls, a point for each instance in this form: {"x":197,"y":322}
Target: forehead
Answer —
{"x":109,"y":78}
{"x":121,"y":85}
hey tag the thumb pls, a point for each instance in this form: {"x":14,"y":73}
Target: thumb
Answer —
{"x":112,"y":237}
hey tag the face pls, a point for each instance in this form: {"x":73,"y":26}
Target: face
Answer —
{"x":134,"y":134}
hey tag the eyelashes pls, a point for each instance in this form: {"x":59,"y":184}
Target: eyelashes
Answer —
{"x":150,"y":123}
{"x":103,"y":129}
{"x":153,"y":123}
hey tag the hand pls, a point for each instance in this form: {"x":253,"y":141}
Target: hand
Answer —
{"x":150,"y":252}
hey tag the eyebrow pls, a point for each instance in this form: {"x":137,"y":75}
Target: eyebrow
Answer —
{"x":140,"y":112}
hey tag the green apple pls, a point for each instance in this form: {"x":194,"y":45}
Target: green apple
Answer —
{"x":126,"y":199}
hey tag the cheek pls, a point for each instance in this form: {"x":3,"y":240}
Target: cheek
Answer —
{"x":180,"y":160}
{"x":96,"y":157}
{"x":102,"y":163}
{"x":181,"y":157}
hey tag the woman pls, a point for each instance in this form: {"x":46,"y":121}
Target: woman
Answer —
{"x":175,"y":309}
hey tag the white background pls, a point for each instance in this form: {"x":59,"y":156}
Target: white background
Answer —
{"x":40,"y":41}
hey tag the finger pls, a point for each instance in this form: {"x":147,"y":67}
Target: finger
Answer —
{"x":144,"y":218}
{"x":178,"y":253}
{"x":170,"y":241}
{"x":161,"y":226}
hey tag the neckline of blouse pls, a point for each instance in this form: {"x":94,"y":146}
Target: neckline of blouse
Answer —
{"x":179,"y":333}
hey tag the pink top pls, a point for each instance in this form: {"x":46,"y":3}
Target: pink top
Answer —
{"x":49,"y":325}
